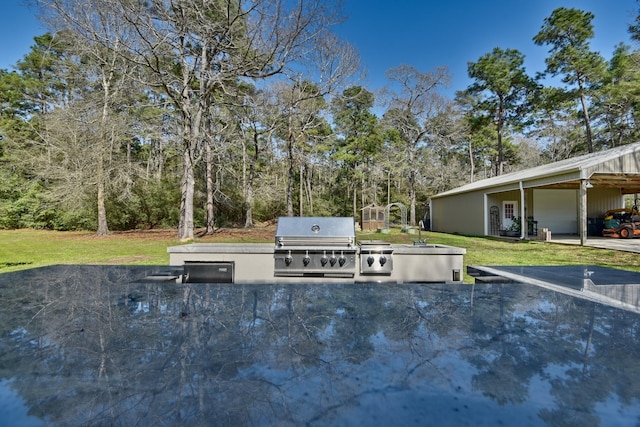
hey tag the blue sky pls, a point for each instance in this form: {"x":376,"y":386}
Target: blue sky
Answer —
{"x":427,"y":34}
{"x":421,"y":33}
{"x":18,"y":27}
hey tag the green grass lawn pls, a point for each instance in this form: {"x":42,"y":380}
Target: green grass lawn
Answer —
{"x":22,"y":249}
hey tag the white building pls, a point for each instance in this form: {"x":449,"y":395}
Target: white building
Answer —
{"x":565,"y":197}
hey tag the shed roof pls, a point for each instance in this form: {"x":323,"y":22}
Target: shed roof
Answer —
{"x":619,"y":166}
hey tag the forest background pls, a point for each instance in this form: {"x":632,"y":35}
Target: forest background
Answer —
{"x":197,"y":114}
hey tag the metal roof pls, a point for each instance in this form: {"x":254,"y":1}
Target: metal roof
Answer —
{"x":575,"y":168}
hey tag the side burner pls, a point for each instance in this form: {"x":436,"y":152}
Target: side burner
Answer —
{"x":315,"y":246}
{"x":376,"y":257}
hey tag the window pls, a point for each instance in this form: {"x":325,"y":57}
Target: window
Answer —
{"x":509,"y":210}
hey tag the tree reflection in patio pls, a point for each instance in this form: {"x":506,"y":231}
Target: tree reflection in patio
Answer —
{"x":98,"y":345}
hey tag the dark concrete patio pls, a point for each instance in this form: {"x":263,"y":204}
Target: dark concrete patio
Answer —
{"x":115,"y":345}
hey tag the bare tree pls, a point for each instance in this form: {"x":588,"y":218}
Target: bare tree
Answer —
{"x":330,"y":65}
{"x":257,"y":119}
{"x":448,"y":151}
{"x":73,"y":147}
{"x":95,"y":37}
{"x":412,"y":103}
{"x":195,"y":49}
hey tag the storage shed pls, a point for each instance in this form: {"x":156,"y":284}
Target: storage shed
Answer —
{"x":565,"y":197}
{"x":372,"y":217}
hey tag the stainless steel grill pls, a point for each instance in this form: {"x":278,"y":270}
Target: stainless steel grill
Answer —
{"x":315,"y":246}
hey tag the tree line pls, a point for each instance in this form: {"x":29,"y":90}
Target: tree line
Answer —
{"x":199,"y":114}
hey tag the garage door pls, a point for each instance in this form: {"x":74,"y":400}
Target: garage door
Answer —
{"x":556,"y":210}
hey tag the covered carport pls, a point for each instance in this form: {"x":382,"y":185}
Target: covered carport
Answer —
{"x":616,"y":169}
{"x":589,"y":181}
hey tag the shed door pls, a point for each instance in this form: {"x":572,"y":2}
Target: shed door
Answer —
{"x":556,"y":210}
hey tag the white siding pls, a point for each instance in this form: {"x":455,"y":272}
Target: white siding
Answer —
{"x":556,"y":210}
{"x":462,"y":214}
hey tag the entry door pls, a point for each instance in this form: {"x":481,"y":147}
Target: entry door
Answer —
{"x":509,"y":210}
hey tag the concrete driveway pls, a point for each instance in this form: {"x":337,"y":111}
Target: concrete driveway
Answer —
{"x":627,"y":245}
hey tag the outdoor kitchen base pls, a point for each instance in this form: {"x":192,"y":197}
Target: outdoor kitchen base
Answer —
{"x":318,"y":250}
{"x":254,"y":263}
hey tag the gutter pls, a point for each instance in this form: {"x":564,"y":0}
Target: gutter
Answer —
{"x":523,"y":223}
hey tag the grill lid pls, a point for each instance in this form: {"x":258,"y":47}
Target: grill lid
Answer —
{"x":315,"y":231}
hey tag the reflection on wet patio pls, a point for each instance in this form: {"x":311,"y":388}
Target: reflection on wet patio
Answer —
{"x":101,"y":346}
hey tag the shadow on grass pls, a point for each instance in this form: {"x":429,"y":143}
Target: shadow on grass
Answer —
{"x":13,"y":264}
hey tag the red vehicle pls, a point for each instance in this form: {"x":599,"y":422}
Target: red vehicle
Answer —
{"x":622,"y":223}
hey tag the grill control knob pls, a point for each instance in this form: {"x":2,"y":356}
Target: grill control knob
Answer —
{"x":383,"y":260}
{"x":332,"y":261}
{"x":324,"y":260}
{"x":370,"y":260}
{"x":288,"y":260}
{"x":342,"y":260}
{"x":306,"y":260}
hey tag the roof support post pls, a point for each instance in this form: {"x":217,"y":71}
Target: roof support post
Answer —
{"x":485,"y":209}
{"x":523,"y":220}
{"x":582,"y":212}
{"x":430,"y":215}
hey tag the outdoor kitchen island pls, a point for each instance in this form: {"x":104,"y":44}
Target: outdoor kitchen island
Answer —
{"x":318,"y":250}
